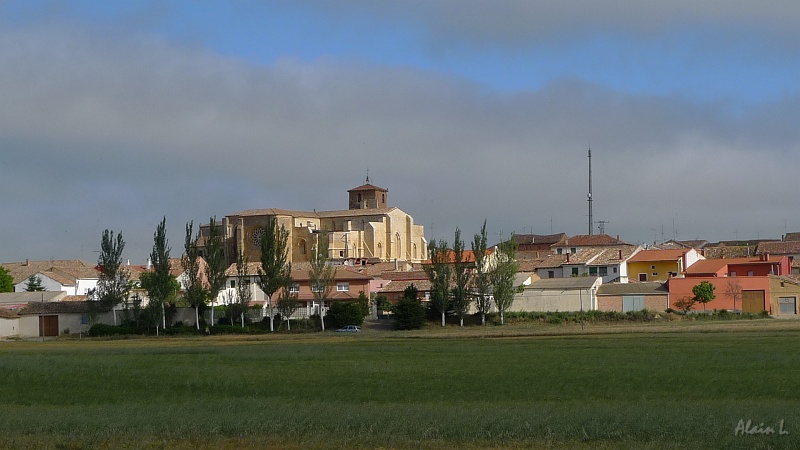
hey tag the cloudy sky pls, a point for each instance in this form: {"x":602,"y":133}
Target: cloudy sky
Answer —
{"x":116,"y":114}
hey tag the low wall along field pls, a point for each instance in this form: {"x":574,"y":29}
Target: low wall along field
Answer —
{"x":684,"y":389}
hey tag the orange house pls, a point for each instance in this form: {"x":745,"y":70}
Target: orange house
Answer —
{"x":741,"y":284}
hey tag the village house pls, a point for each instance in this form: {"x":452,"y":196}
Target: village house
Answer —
{"x":660,"y":265}
{"x":741,"y":284}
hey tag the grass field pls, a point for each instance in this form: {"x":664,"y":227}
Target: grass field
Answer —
{"x":506,"y":387}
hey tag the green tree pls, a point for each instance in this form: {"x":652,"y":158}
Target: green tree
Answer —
{"x":34,"y":284}
{"x":409,"y":314}
{"x":239,"y":302}
{"x":275,"y":268}
{"x":439,"y":273}
{"x":216,"y":265}
{"x":503,"y":275}
{"x":288,"y":304}
{"x":704,"y":293}
{"x":195,"y":291}
{"x":160,"y":284}
{"x":322,"y":275}
{"x":113,"y":285}
{"x":481,"y":281}
{"x":6,"y":280}
{"x":363,"y":303}
{"x":346,"y":313}
{"x":461,"y":279}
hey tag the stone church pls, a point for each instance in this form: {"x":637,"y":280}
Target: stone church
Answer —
{"x":369,"y":231}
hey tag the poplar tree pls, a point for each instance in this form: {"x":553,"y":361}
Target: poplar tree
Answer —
{"x":194,"y":290}
{"x":275,"y":267}
{"x":113,"y":285}
{"x":461,"y":279}
{"x":481,"y":282}
{"x":160,"y":284}
{"x":238,"y":304}
{"x":288,"y":303}
{"x":216,"y":265}
{"x":439,"y":273}
{"x":321,"y":275}
{"x":503,"y":275}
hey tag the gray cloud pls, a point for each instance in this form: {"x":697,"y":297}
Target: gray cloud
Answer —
{"x":521,"y":22}
{"x":118,"y":132}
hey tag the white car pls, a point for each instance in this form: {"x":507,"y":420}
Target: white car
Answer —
{"x":349,"y":329}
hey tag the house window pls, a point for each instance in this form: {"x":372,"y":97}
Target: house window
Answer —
{"x":593,"y":271}
{"x":615,"y":270}
{"x":294,"y":289}
{"x":343,"y":287}
{"x":233,"y":284}
{"x":560,"y":251}
{"x":341,"y":253}
{"x":733,"y":274}
{"x":316,"y":288}
{"x":573,"y":250}
{"x":551,"y":274}
{"x":655,"y":274}
{"x":383,"y":198}
{"x":642,"y":277}
{"x":603,"y":271}
{"x":574,"y":271}
{"x":749,"y":273}
{"x":359,"y":197}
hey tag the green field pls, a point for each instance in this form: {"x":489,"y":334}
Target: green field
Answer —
{"x":643,"y":388}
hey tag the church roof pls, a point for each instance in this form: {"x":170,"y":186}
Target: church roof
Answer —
{"x":313,"y":214}
{"x":368,"y":187}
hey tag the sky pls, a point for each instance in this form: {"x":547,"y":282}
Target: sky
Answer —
{"x":116,"y":114}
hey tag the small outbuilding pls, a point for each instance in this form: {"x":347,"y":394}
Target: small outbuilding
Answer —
{"x":558,"y":294}
{"x":624,"y":297}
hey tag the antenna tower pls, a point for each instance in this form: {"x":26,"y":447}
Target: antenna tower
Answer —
{"x":591,"y":223}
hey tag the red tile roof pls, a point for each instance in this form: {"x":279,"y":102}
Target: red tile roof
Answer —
{"x":368,"y":187}
{"x":588,"y":240}
{"x":658,"y":255}
{"x":711,"y":266}
{"x":778,"y":248}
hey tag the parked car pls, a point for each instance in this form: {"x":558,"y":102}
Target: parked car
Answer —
{"x":349,"y":329}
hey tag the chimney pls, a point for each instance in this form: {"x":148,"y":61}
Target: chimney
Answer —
{"x":620,"y":255}
{"x":567,"y":256}
{"x":149,"y":263}
{"x":27,"y":262}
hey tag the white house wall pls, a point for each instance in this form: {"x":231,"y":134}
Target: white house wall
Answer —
{"x":533,"y":300}
{"x":9,"y":327}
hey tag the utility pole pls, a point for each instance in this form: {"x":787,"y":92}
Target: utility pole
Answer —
{"x":591,"y":223}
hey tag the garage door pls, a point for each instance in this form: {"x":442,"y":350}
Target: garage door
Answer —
{"x":48,"y":325}
{"x":632,"y":303}
{"x":753,"y":301}
{"x":787,"y":305}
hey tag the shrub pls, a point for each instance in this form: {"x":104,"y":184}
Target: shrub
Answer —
{"x":409,"y":314}
{"x":101,"y":329}
{"x":345,"y":313}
